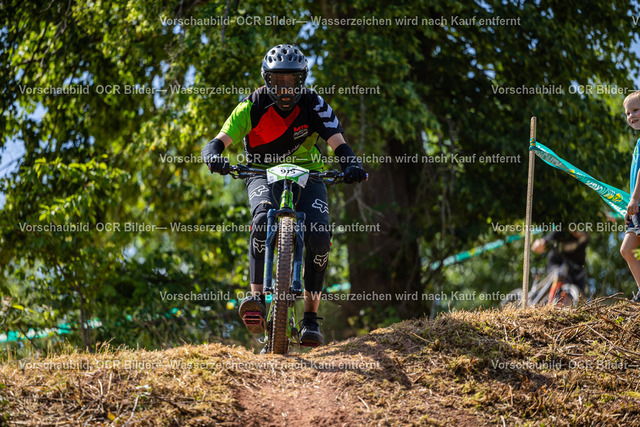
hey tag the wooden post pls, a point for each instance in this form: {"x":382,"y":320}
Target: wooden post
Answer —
{"x":527,"y":235}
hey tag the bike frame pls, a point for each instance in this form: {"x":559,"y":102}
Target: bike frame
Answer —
{"x":274,"y":216}
{"x":547,"y":287}
{"x":552,"y":282}
{"x":273,"y":225}
{"x":540,"y":288}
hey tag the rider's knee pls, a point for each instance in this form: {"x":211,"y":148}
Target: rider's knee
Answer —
{"x":319,"y":241}
{"x":259,"y":220}
{"x":318,"y":245}
{"x":259,"y":230}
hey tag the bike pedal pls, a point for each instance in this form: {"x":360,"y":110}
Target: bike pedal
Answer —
{"x":254,"y":321}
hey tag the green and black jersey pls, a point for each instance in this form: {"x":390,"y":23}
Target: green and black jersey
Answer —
{"x":272,"y":136}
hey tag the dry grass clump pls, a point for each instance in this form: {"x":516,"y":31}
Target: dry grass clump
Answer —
{"x":546,"y":366}
{"x":177,"y":386}
{"x":537,"y":366}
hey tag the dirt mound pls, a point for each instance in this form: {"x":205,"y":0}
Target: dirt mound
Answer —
{"x":537,"y":366}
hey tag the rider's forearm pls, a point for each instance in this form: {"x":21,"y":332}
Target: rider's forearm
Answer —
{"x":226,"y":139}
{"x":216,"y":146}
{"x":335,"y":140}
{"x":346,"y":157}
{"x":343,"y":152}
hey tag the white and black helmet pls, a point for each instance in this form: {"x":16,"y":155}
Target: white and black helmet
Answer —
{"x":285,"y":59}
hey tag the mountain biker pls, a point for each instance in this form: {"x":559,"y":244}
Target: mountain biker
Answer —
{"x":570,"y":248}
{"x":282,"y":121}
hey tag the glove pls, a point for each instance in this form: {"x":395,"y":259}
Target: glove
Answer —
{"x":218,"y":164}
{"x":211,"y":154}
{"x":354,"y":174}
{"x":350,"y":165}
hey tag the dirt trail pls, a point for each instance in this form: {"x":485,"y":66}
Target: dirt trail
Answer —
{"x":539,"y":366}
{"x":317,"y":390}
{"x":282,"y":403}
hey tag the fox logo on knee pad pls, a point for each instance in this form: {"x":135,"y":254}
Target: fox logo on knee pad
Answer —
{"x":323,"y":207}
{"x":259,"y":245}
{"x":321,"y":260}
{"x":258,"y":191}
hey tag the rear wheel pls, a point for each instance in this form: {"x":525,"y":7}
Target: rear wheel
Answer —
{"x":281,"y":298}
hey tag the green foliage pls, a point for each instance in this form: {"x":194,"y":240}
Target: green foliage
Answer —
{"x":447,"y":90}
{"x":100,"y":157}
{"x":97,"y":158}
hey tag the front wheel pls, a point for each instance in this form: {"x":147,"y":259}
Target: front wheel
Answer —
{"x":568,"y":295}
{"x":279,"y":342}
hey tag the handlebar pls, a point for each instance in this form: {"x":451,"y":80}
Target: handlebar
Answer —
{"x":241,"y":171}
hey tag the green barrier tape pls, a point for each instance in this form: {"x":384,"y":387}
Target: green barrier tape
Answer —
{"x":65,"y":328}
{"x":62,"y":329}
{"x":614,"y":197}
{"x":463,"y":256}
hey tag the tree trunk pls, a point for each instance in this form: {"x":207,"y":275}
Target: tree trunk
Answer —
{"x":386,"y":264}
{"x":84,"y":325}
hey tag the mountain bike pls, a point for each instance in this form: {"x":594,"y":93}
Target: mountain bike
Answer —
{"x":553,"y":288}
{"x":285,"y":245}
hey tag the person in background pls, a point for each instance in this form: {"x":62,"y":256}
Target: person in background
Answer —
{"x":631,"y":239}
{"x":569,"y":248}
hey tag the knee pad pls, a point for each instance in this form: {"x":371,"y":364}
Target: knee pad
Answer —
{"x":259,"y":231}
{"x":318,"y":246}
{"x":257,"y":240}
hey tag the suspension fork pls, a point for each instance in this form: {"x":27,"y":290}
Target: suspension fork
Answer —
{"x":270,"y":244}
{"x":286,"y":203}
{"x":297,"y":254}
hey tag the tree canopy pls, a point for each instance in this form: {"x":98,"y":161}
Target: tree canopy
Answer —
{"x":129,"y":92}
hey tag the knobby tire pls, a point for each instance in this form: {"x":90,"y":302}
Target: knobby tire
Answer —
{"x":281,"y":296}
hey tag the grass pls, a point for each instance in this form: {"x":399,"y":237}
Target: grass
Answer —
{"x":528,"y":367}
